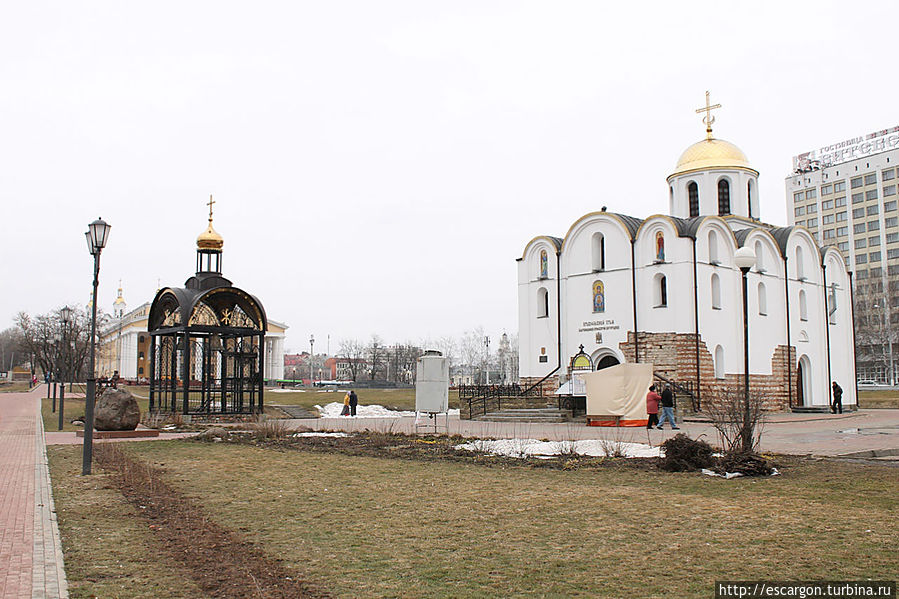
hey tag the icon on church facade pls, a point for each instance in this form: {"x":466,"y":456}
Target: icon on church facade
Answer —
{"x":660,"y":247}
{"x":544,"y":265}
{"x":599,"y":297}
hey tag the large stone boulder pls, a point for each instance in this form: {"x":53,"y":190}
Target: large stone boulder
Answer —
{"x":116,"y":410}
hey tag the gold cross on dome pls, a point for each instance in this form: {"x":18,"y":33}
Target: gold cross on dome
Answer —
{"x":211,"y":202}
{"x":708,"y":119}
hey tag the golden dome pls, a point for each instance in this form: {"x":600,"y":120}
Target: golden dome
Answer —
{"x":711,"y":153}
{"x":209,"y":239}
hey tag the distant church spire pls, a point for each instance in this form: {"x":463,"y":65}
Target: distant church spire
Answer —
{"x":708,"y":119}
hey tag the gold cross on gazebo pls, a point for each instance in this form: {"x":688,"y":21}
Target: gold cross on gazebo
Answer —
{"x":211,"y":201}
{"x":708,"y":119}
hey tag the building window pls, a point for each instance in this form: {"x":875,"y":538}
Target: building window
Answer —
{"x":842,"y":231}
{"x":803,"y":306}
{"x":798,"y":196}
{"x":889,"y":190}
{"x":861,"y":274}
{"x":858,"y":213}
{"x":750,"y":199}
{"x":827,"y":219}
{"x":811,"y":208}
{"x":719,"y":362}
{"x":829,"y":234}
{"x":599,"y":252}
{"x":140,"y":370}
{"x":839,"y":186}
{"x":832,"y":304}
{"x":542,"y":303}
{"x":140,"y":355}
{"x":891,"y":254}
{"x":889,"y":206}
{"x":888,"y":174}
{"x":798,"y":211}
{"x":763,"y":300}
{"x":871,"y":179}
{"x":871,"y":194}
{"x":844,"y":246}
{"x":873,"y":209}
{"x":140,"y":339}
{"x":800,"y":223}
{"x":891,"y":221}
{"x":874,"y":225}
{"x":800,"y":266}
{"x":858,"y":197}
{"x":874,"y":257}
{"x":861,"y":258}
{"x":839,"y":202}
{"x":841,"y":216}
{"x":811,"y":194}
{"x":723,"y":197}
{"x":661,"y":291}
{"x":759,"y":257}
{"x":856,"y":182}
{"x":873,"y":241}
{"x":716,"y":292}
{"x":861,"y":243}
{"x":892,"y":237}
{"x":826,"y":204}
{"x":858,"y":228}
{"x":826,"y":189}
{"x":693,"y":194}
{"x":812,"y":222}
{"x":713,"y":247}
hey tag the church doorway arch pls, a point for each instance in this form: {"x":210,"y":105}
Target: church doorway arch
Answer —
{"x":606,"y":361}
{"x":803,"y":382}
{"x":605,"y":357}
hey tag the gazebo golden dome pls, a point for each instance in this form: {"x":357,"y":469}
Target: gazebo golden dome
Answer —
{"x":210,"y":239}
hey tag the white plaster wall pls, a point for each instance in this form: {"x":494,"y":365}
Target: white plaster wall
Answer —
{"x":708,"y":192}
{"x":537,"y":332}
{"x":677,"y":316}
{"x":842,"y":356}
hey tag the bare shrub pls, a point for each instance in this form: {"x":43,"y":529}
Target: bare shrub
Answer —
{"x":683,"y":454}
{"x":747,"y":464}
{"x":270,"y":429}
{"x":739,"y":426}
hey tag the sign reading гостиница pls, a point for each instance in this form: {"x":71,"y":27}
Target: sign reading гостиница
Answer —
{"x":849,"y":149}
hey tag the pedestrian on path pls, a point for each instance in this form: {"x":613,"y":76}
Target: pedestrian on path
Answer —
{"x":652,"y":407}
{"x":667,"y":408}
{"x":837,"y":405}
{"x":354,"y":401}
{"x":346,"y":405}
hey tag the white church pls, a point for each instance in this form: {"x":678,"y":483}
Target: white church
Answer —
{"x":665,"y":290}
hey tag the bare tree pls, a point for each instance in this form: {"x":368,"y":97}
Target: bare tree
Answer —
{"x":739,"y":425}
{"x":353,"y":351}
{"x":11,"y":348}
{"x":471,"y":350}
{"x":876,"y":325}
{"x":53,"y":346}
{"x":376,"y":357}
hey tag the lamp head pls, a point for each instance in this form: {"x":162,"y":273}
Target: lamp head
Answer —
{"x":744,"y":258}
{"x":99,"y":233}
{"x":65,"y":313}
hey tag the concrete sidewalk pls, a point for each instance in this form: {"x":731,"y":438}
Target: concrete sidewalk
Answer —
{"x":866,"y":431}
{"x":31,"y":563}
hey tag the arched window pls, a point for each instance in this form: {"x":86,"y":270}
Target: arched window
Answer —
{"x":599,"y":252}
{"x":719,"y":362}
{"x":713,"y":247}
{"x":800,"y":266}
{"x":832,"y":304}
{"x":599,"y":297}
{"x":660,"y":291}
{"x":803,"y":306}
{"x":749,"y":201}
{"x":759,"y":257}
{"x":542,"y":303}
{"x":544,"y":264}
{"x":716,"y":292}
{"x":671,"y":200}
{"x":693,"y":194}
{"x":763,"y":300}
{"x":723,"y":197}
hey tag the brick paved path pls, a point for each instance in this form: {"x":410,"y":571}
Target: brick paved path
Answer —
{"x":31,"y":562}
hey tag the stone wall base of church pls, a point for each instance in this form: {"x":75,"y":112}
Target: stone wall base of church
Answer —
{"x":673,"y":356}
{"x":548,"y":387}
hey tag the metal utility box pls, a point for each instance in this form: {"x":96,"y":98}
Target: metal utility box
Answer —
{"x":432,"y":383}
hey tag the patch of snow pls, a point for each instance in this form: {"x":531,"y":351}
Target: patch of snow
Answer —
{"x":333,"y":410}
{"x":317,"y":434}
{"x":285,"y":391}
{"x":520,"y":448}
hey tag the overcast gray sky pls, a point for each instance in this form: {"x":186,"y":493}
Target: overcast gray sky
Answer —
{"x":378,"y":166}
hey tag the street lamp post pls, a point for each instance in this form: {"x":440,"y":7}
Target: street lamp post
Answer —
{"x":487,"y":359}
{"x":311,"y":353}
{"x":744,"y":258}
{"x":96,"y":236}
{"x":65,"y":315}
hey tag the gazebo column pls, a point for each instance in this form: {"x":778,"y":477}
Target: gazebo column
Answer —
{"x":261,"y":369}
{"x":185,"y":367}
{"x":152,"y":370}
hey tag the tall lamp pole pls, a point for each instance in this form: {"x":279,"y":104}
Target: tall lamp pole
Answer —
{"x":311,"y":371}
{"x":744,"y":258}
{"x":487,"y":359}
{"x":66,"y":316}
{"x":96,"y":235}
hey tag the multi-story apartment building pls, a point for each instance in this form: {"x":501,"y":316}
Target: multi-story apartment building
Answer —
{"x":846,"y":195}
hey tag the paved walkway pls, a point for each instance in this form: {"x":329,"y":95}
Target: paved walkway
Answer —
{"x":874,"y":432}
{"x":31,"y":562}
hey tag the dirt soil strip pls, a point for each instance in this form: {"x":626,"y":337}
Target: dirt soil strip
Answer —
{"x":222,"y":564}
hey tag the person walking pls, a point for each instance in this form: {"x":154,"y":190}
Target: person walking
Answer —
{"x":837,"y":406}
{"x":346,"y":405}
{"x":354,"y":401}
{"x":652,"y":407}
{"x":667,"y":409}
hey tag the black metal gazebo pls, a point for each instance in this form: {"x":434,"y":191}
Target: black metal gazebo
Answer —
{"x":206,"y":341}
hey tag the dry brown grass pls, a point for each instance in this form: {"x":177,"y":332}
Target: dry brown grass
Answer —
{"x":381,"y":527}
{"x":886,"y":398}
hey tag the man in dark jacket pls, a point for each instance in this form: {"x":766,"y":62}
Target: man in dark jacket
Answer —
{"x":354,"y":401}
{"x":667,"y":408}
{"x":837,"y":405}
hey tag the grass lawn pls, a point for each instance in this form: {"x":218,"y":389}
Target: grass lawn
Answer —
{"x":17,"y":387}
{"x":361,"y":526}
{"x":880,"y":398}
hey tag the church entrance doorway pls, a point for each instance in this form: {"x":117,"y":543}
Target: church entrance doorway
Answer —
{"x":607,"y":361}
{"x":803,"y":386}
